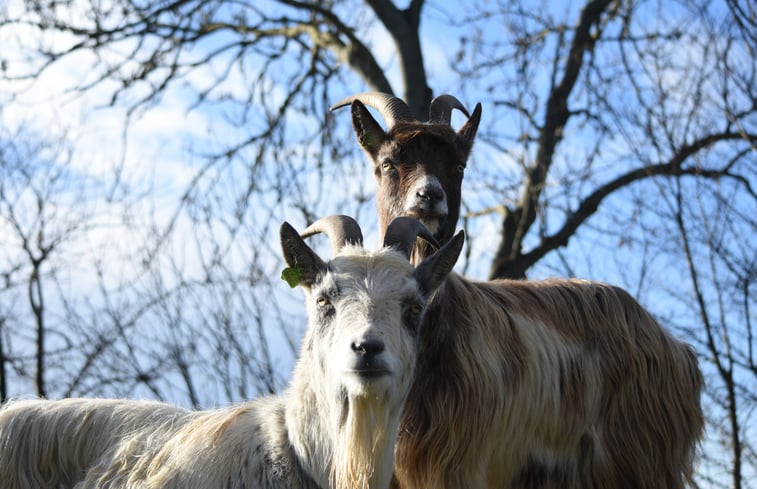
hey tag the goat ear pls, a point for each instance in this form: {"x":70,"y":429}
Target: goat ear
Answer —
{"x":432,"y":271}
{"x":467,"y":133}
{"x":304,"y":264}
{"x":369,"y":133}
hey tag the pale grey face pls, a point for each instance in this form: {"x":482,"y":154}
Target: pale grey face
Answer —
{"x":365,"y":308}
{"x":365,"y":313}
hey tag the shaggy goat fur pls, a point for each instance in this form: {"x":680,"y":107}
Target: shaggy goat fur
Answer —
{"x":560,"y":384}
{"x":335,"y":426}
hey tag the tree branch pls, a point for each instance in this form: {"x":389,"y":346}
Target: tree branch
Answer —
{"x":403,"y":26}
{"x":517,"y":267}
{"x":516,"y":223}
{"x":355,"y":53}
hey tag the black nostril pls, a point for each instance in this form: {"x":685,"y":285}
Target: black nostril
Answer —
{"x":430,"y":193}
{"x":368,"y":346}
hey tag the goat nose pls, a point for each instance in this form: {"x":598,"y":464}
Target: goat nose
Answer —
{"x":431,"y":192}
{"x":368,"y":347}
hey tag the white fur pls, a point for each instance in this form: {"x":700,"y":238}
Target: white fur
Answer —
{"x":331,"y":428}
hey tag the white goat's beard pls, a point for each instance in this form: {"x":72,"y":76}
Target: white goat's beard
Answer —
{"x":360,"y":457}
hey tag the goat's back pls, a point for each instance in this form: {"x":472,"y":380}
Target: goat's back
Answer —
{"x":52,"y":443}
{"x":96,"y":443}
{"x":556,"y":384}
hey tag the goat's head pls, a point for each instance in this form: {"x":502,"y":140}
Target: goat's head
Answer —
{"x":359,"y":352}
{"x":418,"y":166}
{"x":364,"y":307}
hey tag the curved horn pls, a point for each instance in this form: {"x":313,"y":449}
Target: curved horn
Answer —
{"x":440,"y":111}
{"x":402,"y":232}
{"x":391,"y":108}
{"x":340,"y":229}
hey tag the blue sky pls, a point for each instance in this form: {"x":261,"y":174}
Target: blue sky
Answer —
{"x":160,"y":154}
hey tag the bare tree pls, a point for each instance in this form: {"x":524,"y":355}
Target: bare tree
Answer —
{"x":604,"y":123}
{"x":713,"y":227}
{"x":36,"y":195}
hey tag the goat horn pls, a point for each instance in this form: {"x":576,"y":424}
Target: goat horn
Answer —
{"x":402,"y":232}
{"x":340,"y":229}
{"x":440,"y":111}
{"x":391,"y":108}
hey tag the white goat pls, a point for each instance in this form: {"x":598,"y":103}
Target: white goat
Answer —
{"x":335,"y":426}
{"x":562,"y":384}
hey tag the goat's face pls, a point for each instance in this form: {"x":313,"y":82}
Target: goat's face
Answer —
{"x":364,"y":315}
{"x":364,"y":310}
{"x":419,"y":168}
{"x":419,"y":174}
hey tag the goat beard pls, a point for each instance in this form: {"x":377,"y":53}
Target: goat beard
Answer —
{"x":364,"y":451}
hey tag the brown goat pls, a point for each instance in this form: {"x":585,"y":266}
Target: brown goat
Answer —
{"x":418,"y":166}
{"x":519,"y":384}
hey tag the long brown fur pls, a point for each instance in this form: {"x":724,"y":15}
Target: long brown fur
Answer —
{"x":555,"y":384}
{"x":521,"y":385}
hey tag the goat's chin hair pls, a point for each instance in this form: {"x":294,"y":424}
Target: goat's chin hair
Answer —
{"x":364,"y":448}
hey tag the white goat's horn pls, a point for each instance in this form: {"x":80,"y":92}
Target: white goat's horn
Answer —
{"x":402,"y":232}
{"x":340,"y":229}
{"x":391,"y":108}
{"x":440,"y":111}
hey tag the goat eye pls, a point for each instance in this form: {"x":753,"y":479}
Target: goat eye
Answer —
{"x":460,"y":168}
{"x":322,"y":301}
{"x":411,"y":316}
{"x":387,"y":166}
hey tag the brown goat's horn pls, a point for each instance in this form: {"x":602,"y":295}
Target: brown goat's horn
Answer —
{"x":340,"y":229}
{"x":402,"y":232}
{"x":440,"y":111}
{"x":391,"y":108}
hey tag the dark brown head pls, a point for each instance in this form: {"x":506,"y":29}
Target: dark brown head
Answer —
{"x":419,"y":166}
